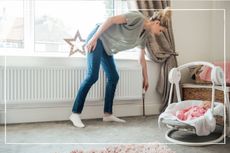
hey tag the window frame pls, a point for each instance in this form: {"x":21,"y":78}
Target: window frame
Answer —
{"x":29,"y":32}
{"x":13,"y":51}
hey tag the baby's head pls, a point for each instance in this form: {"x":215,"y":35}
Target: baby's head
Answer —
{"x":206,"y":104}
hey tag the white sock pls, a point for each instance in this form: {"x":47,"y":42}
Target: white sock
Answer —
{"x":112,"y":118}
{"x":76,"y":120}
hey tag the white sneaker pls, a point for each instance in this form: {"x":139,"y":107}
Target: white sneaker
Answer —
{"x":112,"y":118}
{"x":76,"y":120}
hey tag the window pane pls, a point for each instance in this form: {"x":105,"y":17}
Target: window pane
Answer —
{"x":11,"y":24}
{"x":59,"y":19}
{"x":121,"y":6}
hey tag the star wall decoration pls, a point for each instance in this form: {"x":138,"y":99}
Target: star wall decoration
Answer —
{"x":76,"y":44}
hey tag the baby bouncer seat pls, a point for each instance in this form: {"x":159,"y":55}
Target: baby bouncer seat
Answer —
{"x":202,"y":126}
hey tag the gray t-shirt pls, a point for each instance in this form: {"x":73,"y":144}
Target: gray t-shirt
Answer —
{"x":120,"y":37}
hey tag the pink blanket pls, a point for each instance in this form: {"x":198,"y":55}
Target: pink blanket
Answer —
{"x":190,"y":113}
{"x":206,"y":71}
{"x":204,"y":125}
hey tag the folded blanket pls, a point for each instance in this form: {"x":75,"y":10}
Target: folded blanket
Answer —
{"x":206,"y":71}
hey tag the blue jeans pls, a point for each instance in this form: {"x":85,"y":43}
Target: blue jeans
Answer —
{"x":94,"y":59}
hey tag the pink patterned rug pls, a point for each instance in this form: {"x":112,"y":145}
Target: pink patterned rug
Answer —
{"x":131,"y":148}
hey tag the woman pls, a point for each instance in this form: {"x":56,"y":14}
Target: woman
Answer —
{"x":116,"y":34}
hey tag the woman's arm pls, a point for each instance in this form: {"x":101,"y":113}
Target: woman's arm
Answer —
{"x":142,"y":61}
{"x":119,"y":19}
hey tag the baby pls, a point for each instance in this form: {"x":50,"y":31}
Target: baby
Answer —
{"x":206,"y":104}
{"x":193,"y":111}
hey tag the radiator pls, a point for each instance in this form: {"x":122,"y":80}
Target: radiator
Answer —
{"x":60,"y":84}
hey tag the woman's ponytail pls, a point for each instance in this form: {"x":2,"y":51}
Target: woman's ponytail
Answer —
{"x":163,"y":16}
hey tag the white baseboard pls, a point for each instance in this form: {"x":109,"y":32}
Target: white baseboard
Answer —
{"x":56,"y":112}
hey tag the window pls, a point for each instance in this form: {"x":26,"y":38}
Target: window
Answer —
{"x":11,"y":24}
{"x":57,"y":20}
{"x":48,"y":22}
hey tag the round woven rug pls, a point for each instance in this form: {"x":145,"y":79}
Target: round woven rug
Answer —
{"x":130,"y":148}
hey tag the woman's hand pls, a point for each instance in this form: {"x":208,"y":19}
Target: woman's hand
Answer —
{"x":145,"y":85}
{"x":91,"y":45}
{"x":142,"y":61}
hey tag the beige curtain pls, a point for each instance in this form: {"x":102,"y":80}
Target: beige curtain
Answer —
{"x":160,"y":49}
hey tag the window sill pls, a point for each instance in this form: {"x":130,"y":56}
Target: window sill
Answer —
{"x":132,"y":55}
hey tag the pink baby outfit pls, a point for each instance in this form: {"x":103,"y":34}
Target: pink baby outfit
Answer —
{"x":190,"y":113}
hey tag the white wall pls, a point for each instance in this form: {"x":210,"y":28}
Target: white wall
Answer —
{"x":199,"y":35}
{"x":192,"y":30}
{"x":218,"y":38}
